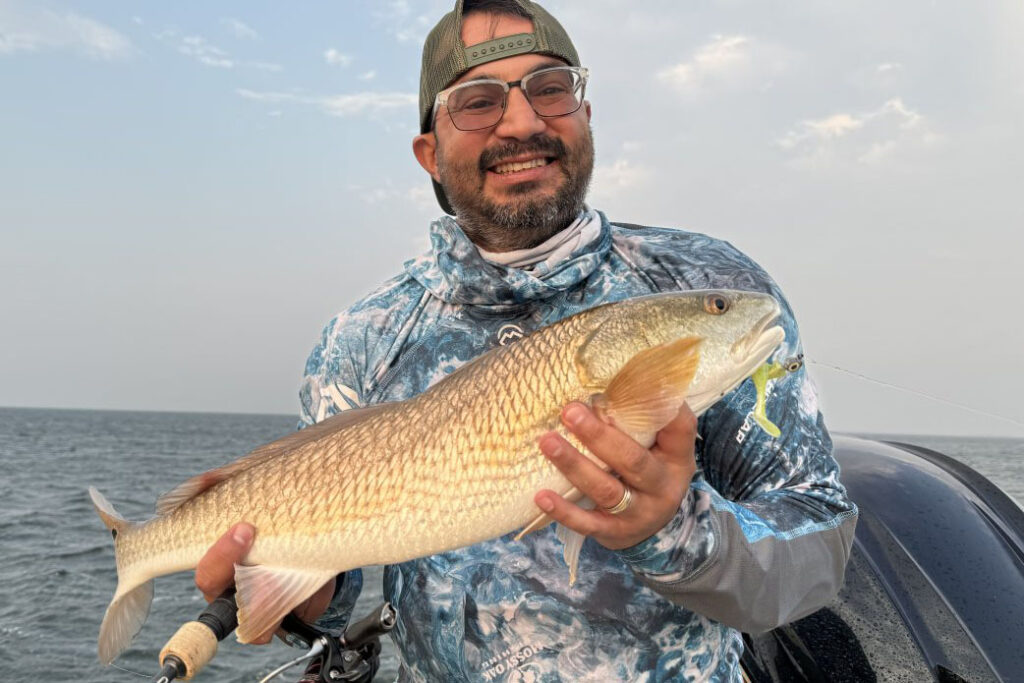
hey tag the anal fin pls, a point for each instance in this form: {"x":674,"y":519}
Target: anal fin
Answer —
{"x":266,"y":594}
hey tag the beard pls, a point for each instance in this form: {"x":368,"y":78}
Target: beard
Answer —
{"x":519,"y":220}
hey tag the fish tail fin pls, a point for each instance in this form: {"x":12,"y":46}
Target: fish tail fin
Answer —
{"x":124,"y":618}
{"x":111,"y":517}
{"x":130,"y":605}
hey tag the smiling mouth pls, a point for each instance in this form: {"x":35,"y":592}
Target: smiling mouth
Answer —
{"x":514,"y":166}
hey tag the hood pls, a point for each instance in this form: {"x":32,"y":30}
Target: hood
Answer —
{"x":455,"y":272}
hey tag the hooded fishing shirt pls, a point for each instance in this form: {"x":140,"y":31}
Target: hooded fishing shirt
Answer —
{"x":761,"y":538}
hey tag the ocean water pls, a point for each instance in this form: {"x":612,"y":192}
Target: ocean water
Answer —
{"x":56,"y":559}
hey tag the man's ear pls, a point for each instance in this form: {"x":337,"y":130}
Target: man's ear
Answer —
{"x":424,"y":146}
{"x":586,"y":106}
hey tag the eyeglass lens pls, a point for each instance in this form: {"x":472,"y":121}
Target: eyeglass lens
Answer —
{"x":551,"y":93}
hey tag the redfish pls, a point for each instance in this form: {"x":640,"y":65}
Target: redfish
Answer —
{"x":453,"y":466}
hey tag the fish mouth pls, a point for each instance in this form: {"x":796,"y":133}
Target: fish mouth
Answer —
{"x":755,"y":346}
{"x":749,"y":352}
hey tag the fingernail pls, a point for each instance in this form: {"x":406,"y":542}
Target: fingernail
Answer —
{"x":551,"y":445}
{"x":242,"y":534}
{"x":575,"y":414}
{"x":545,"y":504}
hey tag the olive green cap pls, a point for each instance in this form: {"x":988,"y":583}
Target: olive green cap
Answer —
{"x":445,"y":58}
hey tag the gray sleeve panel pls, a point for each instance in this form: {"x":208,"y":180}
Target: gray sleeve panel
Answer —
{"x":755,"y":587}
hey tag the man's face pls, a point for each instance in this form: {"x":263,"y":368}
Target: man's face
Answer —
{"x":502,"y":209}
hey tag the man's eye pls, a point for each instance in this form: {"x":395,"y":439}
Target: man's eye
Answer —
{"x":479,"y":103}
{"x":550,"y":90}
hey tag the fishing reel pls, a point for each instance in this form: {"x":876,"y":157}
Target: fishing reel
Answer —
{"x":353,"y":657}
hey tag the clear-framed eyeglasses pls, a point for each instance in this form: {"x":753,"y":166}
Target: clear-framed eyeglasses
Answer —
{"x":552,"y":92}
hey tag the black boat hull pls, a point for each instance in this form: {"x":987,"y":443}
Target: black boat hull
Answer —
{"x":934,"y":589}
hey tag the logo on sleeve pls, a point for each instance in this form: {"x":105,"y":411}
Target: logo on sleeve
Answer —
{"x":509,"y":334}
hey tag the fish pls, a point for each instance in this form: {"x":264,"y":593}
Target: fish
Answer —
{"x":453,"y":466}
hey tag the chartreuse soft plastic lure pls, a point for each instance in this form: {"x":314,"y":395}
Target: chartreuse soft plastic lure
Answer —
{"x":761,"y":376}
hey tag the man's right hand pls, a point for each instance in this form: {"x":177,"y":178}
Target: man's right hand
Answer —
{"x":215,"y":573}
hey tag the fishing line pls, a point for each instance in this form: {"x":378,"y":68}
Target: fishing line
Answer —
{"x":938,"y":399}
{"x":314,"y":651}
{"x":147,"y":676}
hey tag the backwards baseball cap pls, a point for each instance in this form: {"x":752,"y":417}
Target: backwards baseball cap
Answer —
{"x":446,"y":58}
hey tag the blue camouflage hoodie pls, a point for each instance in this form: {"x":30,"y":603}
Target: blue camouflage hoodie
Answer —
{"x":761,"y":538}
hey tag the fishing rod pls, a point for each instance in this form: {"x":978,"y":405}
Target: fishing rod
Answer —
{"x":354,"y":656}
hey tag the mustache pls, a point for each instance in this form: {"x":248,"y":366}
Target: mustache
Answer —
{"x":542,"y":144}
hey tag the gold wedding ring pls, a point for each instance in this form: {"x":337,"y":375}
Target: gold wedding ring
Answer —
{"x":622,"y":505}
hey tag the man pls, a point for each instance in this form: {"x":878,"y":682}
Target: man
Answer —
{"x":693,"y":539}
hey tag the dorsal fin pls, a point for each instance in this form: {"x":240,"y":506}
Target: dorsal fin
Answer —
{"x":186,"y":491}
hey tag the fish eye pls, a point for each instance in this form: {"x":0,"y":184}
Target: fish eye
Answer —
{"x":716,"y":304}
{"x":794,"y":366}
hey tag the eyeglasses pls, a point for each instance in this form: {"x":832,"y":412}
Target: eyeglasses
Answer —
{"x":476,"y":105}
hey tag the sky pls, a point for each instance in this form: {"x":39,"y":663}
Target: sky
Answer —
{"x":190,"y":191}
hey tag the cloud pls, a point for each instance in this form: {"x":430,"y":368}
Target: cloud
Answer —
{"x":398,"y":18}
{"x":240,"y":29}
{"x":883,"y":76}
{"x":35,"y":30}
{"x":200,"y":49}
{"x":335,"y":58}
{"x":728,"y":63}
{"x":357,"y":103}
{"x":419,"y":195}
{"x":867,"y":138}
{"x":368,"y":76}
{"x":350,"y":104}
{"x":611,"y":180}
{"x":422,"y":196}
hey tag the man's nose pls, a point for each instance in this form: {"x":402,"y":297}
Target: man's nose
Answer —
{"x":520,"y":120}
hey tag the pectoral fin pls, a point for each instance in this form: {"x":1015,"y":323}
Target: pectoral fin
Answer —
{"x":265,"y":595}
{"x":651,"y":388}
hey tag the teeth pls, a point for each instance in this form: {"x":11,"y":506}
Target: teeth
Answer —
{"x":520,"y":166}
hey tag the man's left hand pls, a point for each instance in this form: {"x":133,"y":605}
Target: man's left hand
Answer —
{"x":658,"y":477}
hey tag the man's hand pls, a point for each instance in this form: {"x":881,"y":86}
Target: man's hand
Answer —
{"x":658,"y":477}
{"x":216,"y":572}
